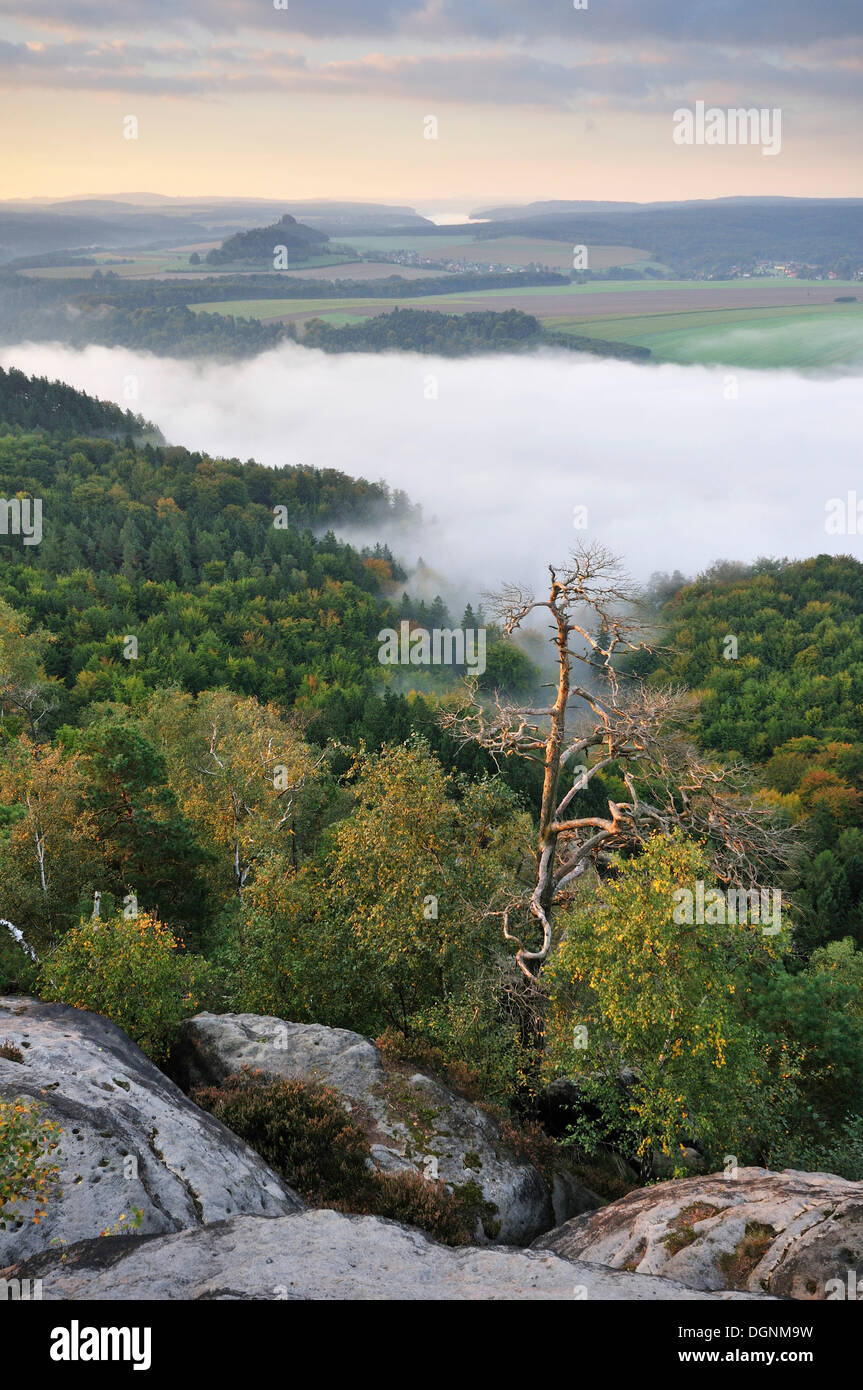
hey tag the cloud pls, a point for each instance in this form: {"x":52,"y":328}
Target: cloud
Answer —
{"x":733,"y":23}
{"x":656,"y":81}
{"x":501,"y":78}
{"x":774,"y":24}
{"x":171,"y":69}
{"x":310,"y":18}
{"x":672,"y":473}
{"x":503,"y":51}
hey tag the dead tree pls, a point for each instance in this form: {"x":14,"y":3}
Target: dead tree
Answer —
{"x":600,"y":719}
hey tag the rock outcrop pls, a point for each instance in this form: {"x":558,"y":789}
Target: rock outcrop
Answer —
{"x":130,"y":1138}
{"x":217,"y":1223}
{"x":789,"y":1234}
{"x":324,"y":1255}
{"x":413,"y":1121}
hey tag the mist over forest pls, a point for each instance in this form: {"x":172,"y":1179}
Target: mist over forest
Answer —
{"x":677,"y":466}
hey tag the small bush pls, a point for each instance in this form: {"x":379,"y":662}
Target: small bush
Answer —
{"x":131,"y":970}
{"x":409,"y":1198}
{"x":301,"y":1130}
{"x":27,"y":1143}
{"x":10,"y":1051}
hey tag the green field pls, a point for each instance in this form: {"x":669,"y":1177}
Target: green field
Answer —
{"x":800,"y":337}
{"x":761,"y":282}
{"x":805,"y":336}
{"x":168,"y":263}
{"x":278,"y":308}
{"x":141,"y":263}
{"x":654,"y":286}
{"x":244,"y":268}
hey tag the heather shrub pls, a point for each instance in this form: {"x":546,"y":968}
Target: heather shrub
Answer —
{"x":408,"y":1197}
{"x":302,"y":1130}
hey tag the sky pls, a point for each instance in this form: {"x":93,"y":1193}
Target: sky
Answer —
{"x":673,"y":469}
{"x":533,"y":99}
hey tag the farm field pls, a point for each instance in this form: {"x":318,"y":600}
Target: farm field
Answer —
{"x":156,"y":265}
{"x":615,"y":300}
{"x":802,"y":337}
{"x":366,"y":270}
{"x":665,"y":296}
{"x":777,"y":323}
{"x":748,"y":287}
{"x":136,"y":265}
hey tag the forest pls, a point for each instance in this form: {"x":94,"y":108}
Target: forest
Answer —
{"x":455,"y":335}
{"x":142,"y":318}
{"x":196,"y":733}
{"x":114,"y":319}
{"x":154,"y":315}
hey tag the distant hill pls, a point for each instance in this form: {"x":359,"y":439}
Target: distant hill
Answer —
{"x":699,"y":237}
{"x":554,"y":207}
{"x":561,"y":207}
{"x":257,"y":246}
{"x":370,"y":218}
{"x":42,"y":231}
{"x":226,"y":215}
{"x":29,"y":227}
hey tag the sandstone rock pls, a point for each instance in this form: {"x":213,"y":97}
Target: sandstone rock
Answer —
{"x":325,"y":1255}
{"x":119,"y":1114}
{"x":411,"y":1120}
{"x":213,"y":1046}
{"x":788,"y":1234}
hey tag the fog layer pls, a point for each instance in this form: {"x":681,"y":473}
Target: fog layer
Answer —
{"x":675,"y":466}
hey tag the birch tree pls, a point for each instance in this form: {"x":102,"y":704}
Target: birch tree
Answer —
{"x":25,"y":690}
{"x":46,"y":855}
{"x":241,"y":772}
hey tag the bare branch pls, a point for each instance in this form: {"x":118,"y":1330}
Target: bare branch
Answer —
{"x":598,"y":722}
